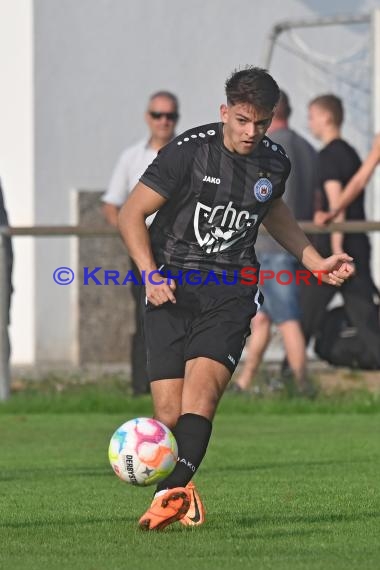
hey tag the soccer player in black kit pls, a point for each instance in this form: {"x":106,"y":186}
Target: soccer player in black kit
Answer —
{"x":212,"y":187}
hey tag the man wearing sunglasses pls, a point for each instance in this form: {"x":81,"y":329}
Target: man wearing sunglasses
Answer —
{"x":161,"y":117}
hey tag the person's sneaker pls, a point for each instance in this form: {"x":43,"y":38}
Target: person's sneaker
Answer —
{"x":166,"y":508}
{"x":196,"y":514}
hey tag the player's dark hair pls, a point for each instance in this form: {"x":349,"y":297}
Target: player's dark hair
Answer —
{"x":254,"y":86}
{"x":283,"y":108}
{"x":333,"y":105}
{"x":167,"y":95}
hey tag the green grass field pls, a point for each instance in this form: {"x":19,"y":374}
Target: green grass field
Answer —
{"x":287,"y":485}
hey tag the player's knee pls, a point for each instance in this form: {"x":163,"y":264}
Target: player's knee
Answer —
{"x":203,"y":406}
{"x":168,"y":417}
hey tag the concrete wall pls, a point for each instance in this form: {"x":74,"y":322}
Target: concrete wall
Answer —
{"x":85,"y":70}
{"x":105,"y":314}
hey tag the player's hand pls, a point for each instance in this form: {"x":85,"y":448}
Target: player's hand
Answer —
{"x":323,"y":218}
{"x":159,"y":289}
{"x":336,"y":269}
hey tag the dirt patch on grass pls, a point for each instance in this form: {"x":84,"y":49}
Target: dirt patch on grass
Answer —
{"x":343,"y":380}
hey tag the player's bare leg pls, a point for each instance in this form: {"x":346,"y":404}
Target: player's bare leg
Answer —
{"x":167,"y":400}
{"x":202,"y":398}
{"x":204,"y":383}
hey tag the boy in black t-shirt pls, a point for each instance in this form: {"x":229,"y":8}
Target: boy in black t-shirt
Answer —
{"x":355,"y":186}
{"x":212,"y":186}
{"x":338,"y":163}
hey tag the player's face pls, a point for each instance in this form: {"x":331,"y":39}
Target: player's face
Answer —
{"x":244,"y":126}
{"x":161,"y":117}
{"x":318,"y":120}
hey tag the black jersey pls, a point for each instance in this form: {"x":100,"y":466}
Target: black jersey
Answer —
{"x":216,"y":199}
{"x":340,"y":161}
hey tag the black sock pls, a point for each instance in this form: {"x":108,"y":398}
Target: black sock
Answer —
{"x":192,"y":433}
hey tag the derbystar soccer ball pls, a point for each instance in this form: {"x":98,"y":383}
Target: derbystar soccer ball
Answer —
{"x":143,"y":451}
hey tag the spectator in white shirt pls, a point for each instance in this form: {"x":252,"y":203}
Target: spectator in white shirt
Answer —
{"x":161,"y":117}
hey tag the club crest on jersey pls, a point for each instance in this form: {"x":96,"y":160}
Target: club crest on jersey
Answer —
{"x":263,"y":189}
{"x":220,"y":227}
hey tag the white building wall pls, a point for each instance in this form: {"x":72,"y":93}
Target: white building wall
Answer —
{"x":17,"y":161}
{"x":375,"y":203}
{"x":95,"y":63}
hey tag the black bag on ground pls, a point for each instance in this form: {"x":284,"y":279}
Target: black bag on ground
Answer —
{"x":339,"y":343}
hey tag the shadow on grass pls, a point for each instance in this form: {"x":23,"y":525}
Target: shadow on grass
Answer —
{"x":66,"y":522}
{"x":79,"y":521}
{"x":61,"y":472}
{"x":284,"y":533}
{"x":284,"y":465}
{"x":238,"y":523}
{"x":68,"y":472}
{"x":248,"y":522}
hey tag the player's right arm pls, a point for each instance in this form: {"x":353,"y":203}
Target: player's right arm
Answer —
{"x":141,"y":203}
{"x":160,"y":182}
{"x":355,"y":186}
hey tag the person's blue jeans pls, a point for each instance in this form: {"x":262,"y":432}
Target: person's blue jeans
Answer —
{"x":281,"y":292}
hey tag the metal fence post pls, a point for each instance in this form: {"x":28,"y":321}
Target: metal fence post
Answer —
{"x":4,"y":345}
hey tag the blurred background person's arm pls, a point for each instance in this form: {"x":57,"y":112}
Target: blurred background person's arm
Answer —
{"x":117,"y":191}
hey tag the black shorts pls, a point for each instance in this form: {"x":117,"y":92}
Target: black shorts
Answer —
{"x":210,"y":320}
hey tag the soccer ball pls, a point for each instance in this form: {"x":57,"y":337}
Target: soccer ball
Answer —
{"x":143,"y":451}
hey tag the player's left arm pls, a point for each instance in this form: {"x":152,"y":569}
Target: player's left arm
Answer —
{"x":282,"y":225}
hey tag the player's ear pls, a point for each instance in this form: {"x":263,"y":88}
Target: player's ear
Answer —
{"x":224,"y":113}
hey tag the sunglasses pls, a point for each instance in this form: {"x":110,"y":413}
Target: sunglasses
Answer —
{"x":158,"y":115}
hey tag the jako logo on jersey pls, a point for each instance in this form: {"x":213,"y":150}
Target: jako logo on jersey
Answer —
{"x":218,"y":228}
{"x":263,"y":189}
{"x":211,"y":179}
